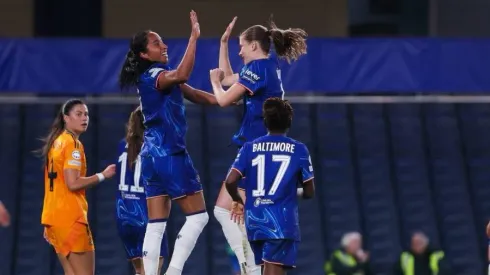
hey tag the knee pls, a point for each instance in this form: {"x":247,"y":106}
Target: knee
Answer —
{"x":200,"y":219}
{"x":221,"y":214}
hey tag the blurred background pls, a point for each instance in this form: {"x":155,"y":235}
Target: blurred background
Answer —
{"x":392,"y":101}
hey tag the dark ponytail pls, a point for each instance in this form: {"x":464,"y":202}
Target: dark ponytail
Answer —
{"x":134,"y":65}
{"x":57,"y":127}
{"x":289,"y":44}
{"x":134,"y":135}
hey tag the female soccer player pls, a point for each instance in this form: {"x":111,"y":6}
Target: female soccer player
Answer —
{"x":166,"y":166}
{"x":131,"y":209}
{"x":272,"y":166}
{"x":258,"y":80}
{"x":65,"y":206}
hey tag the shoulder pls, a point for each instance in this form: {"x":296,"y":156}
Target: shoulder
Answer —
{"x":300,"y":146}
{"x":153,"y":71}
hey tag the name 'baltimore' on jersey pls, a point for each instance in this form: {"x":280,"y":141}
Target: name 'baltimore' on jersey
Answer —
{"x":262,"y":79}
{"x":164,"y":114}
{"x":273,"y":165}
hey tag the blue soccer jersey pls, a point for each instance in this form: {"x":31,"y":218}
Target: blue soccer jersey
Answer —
{"x":164,"y":114}
{"x":273,"y":165}
{"x":262,"y":79}
{"x":131,"y":209}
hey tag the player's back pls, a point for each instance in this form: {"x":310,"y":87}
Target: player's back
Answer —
{"x":275,"y":164}
{"x":262,"y":79}
{"x":131,"y":200}
{"x":62,"y":206}
{"x":164,"y":114}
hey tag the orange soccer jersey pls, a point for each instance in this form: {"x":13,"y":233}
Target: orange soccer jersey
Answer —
{"x":63,"y":207}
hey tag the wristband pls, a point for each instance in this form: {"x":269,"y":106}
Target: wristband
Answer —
{"x":100,"y":176}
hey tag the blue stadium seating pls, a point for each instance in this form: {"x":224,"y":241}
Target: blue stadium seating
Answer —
{"x":381,"y":228}
{"x":450,"y":187}
{"x":383,"y":170}
{"x":414,"y":196}
{"x":335,"y":181}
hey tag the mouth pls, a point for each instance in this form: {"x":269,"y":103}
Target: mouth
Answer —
{"x":85,"y":125}
{"x":165,"y":54}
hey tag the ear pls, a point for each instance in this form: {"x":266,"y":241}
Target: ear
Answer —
{"x":144,"y":55}
{"x":255,"y":45}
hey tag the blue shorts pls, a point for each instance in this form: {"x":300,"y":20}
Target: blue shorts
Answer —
{"x":132,"y":237}
{"x":172,"y":175}
{"x":282,"y":252}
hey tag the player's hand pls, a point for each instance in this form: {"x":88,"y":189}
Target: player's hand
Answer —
{"x":237,"y":212}
{"x":226,"y":35}
{"x":196,"y":30}
{"x":110,"y":171}
{"x":4,"y":216}
{"x":216,"y":75}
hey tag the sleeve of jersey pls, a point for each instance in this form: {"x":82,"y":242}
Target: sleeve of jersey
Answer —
{"x":153,"y":74}
{"x":240,"y":162}
{"x":252,"y":78}
{"x":306,"y":165}
{"x":72,"y":156}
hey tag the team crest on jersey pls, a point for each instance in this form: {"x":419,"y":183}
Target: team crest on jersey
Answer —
{"x":76,"y":154}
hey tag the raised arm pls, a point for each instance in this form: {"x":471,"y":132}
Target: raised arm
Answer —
{"x":224,"y":59}
{"x":183,"y":71}
{"x":228,"y":97}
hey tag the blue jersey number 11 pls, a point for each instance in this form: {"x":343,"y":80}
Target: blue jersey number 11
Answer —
{"x":136,"y":188}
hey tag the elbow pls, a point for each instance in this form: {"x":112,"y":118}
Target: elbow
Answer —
{"x":71,"y":186}
{"x":223,"y":103}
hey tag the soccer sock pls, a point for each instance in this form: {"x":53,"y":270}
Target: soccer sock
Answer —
{"x":232,"y":232}
{"x":186,"y":240}
{"x":252,"y":268}
{"x":151,"y":245}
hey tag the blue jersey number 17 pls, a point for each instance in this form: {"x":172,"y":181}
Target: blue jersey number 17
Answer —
{"x":259,"y":161}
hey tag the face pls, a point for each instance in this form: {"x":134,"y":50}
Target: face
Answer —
{"x":354,"y":245}
{"x":156,"y":50}
{"x":419,"y":243}
{"x":77,"y":119}
{"x":247,"y":49}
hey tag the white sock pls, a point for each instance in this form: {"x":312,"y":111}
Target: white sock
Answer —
{"x":252,"y":268}
{"x":232,"y":232}
{"x":152,"y":244}
{"x":186,"y":240}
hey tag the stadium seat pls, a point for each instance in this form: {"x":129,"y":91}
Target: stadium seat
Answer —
{"x":10,"y":146}
{"x":475,"y":127}
{"x":311,"y":254}
{"x":106,"y":130}
{"x":413,"y":193}
{"x":29,"y":238}
{"x":449,"y":183}
{"x":220,"y":125}
{"x":335,"y":180}
{"x":371,"y":144}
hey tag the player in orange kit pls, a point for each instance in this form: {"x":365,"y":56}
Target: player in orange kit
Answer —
{"x":65,"y":206}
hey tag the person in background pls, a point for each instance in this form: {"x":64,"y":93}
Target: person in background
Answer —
{"x":421,"y":259}
{"x":350,"y":259}
{"x":4,"y":216}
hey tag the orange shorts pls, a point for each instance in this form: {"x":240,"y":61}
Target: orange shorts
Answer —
{"x":76,"y":238}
